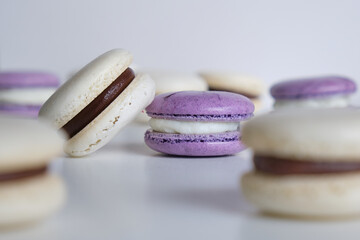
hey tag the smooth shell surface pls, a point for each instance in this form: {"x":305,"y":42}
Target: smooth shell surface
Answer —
{"x":313,"y":87}
{"x":201,"y":106}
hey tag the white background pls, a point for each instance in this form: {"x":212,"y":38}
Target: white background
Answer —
{"x":271,"y":39}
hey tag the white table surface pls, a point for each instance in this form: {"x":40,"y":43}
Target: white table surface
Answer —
{"x":127,"y":191}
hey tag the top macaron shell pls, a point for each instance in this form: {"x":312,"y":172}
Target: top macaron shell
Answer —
{"x":313,"y":87}
{"x":177,"y":81}
{"x":234,"y":82}
{"x":26,"y":144}
{"x":331,"y":135}
{"x":27,"y":80}
{"x":201,"y":106}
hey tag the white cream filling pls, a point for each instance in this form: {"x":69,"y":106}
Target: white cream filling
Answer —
{"x":35,"y":96}
{"x":321,"y":102}
{"x":191,"y":127}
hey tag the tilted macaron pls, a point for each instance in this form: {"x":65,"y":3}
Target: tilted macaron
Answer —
{"x":23,"y":93}
{"x":306,"y":161}
{"x":27,"y":191}
{"x":316,"y":92}
{"x":167,"y":81}
{"x":197,"y":123}
{"x":248,"y":86}
{"x":98,"y":101}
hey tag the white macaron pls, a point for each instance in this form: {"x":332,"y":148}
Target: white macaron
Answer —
{"x":168,"y":81}
{"x":306,"y":162}
{"x":246,"y":85}
{"x":28,"y":193}
{"x":98,"y":101}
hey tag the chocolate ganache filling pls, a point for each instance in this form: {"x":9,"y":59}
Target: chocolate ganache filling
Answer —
{"x":250,"y":96}
{"x":280,"y":166}
{"x":102,"y":101}
{"x":22,"y":174}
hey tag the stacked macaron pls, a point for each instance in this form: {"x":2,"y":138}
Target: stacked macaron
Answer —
{"x":27,"y":191}
{"x":23,"y":93}
{"x":248,"y":86}
{"x":98,"y":101}
{"x":306,"y":162}
{"x":317,"y":92}
{"x":167,"y":81}
{"x":197,"y":123}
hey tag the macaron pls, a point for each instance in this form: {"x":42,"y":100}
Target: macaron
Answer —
{"x":315,"y":92}
{"x":98,"y":101}
{"x":249,"y":86}
{"x":306,"y":162}
{"x":169,"y":81}
{"x":197,"y":123}
{"x":28,"y":192}
{"x":23,"y":93}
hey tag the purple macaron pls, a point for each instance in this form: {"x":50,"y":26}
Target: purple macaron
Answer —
{"x":313,"y":87}
{"x":198,"y":106}
{"x":23,"y":93}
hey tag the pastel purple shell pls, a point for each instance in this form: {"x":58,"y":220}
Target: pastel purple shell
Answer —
{"x":313,"y":87}
{"x":20,"y":110}
{"x":27,"y":79}
{"x":201,"y":106}
{"x":218,"y":144}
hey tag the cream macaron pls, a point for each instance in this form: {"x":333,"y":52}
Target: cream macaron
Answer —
{"x":168,"y":81}
{"x":249,"y":86}
{"x":306,"y":161}
{"x":28,"y":193}
{"x":98,"y":101}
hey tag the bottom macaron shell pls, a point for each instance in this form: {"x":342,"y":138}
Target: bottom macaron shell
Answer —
{"x":19,"y":110}
{"x":28,"y":200}
{"x":218,"y":144}
{"x":309,"y":196}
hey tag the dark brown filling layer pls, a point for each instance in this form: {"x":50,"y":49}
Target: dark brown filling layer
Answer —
{"x":250,"y":96}
{"x":93,"y":109}
{"x":22,"y":174}
{"x":285,"y":166}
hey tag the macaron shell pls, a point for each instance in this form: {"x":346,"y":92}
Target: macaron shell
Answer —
{"x":27,"y":144}
{"x":234,"y":82}
{"x":84,"y":87}
{"x":325,"y":195}
{"x":195,"y":145}
{"x":312,"y":87}
{"x":19,"y":110}
{"x":120,"y":112}
{"x":257,"y":104}
{"x":331,"y":135}
{"x":206,"y":103}
{"x":27,"y":80}
{"x":31,"y":199}
{"x":174,"y":82}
